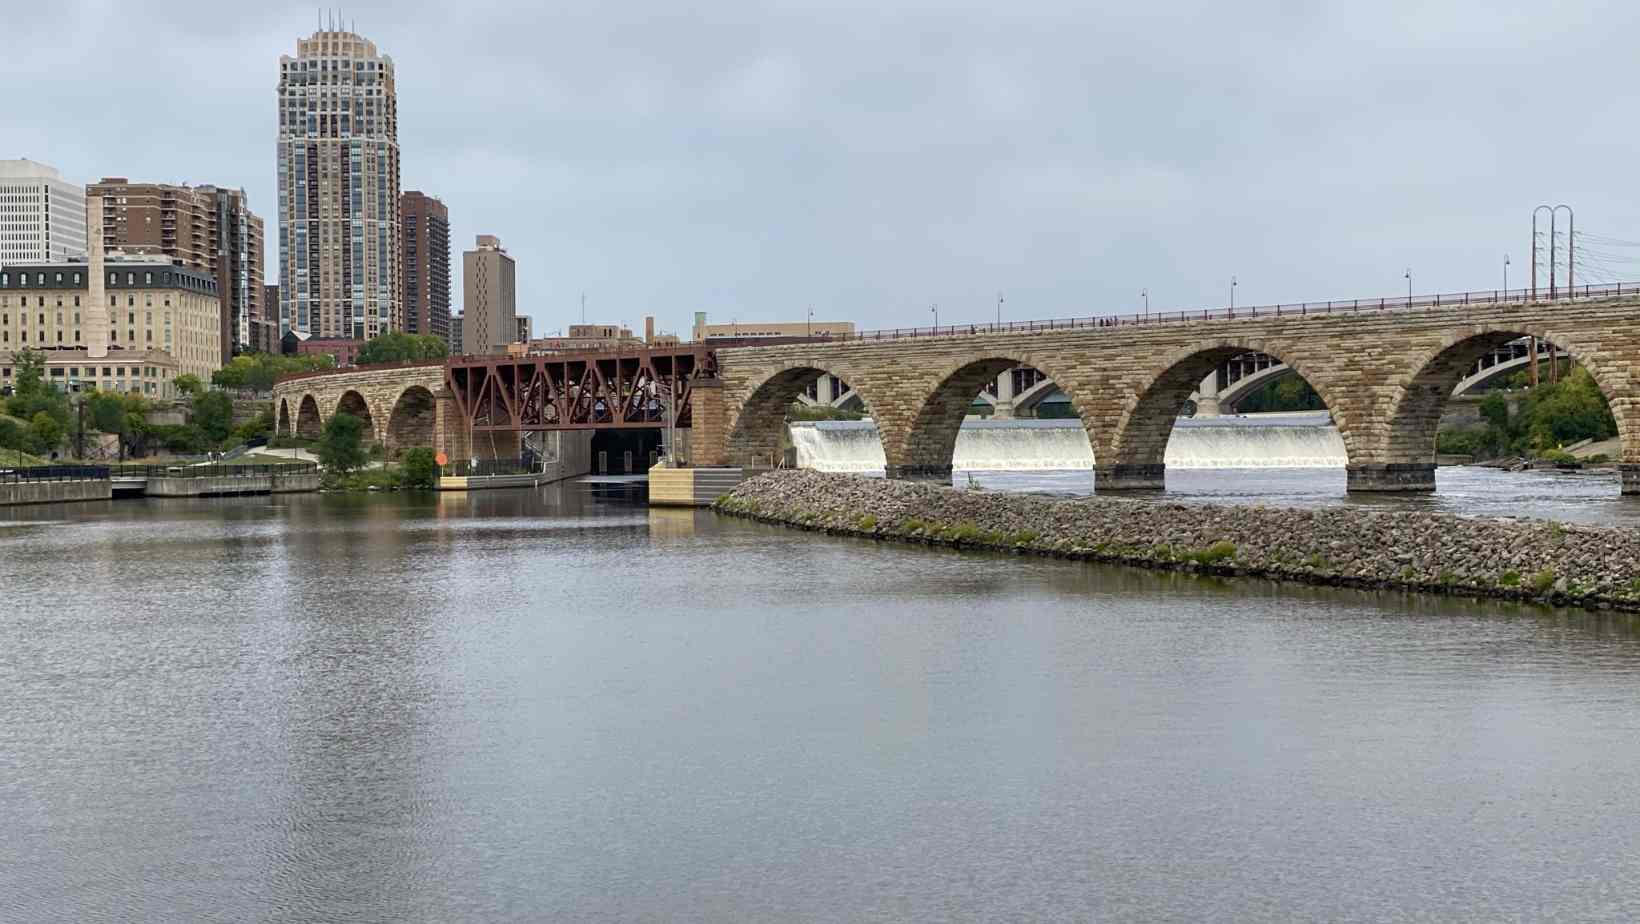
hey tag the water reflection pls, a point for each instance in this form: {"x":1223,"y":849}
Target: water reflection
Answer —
{"x":560,"y":704}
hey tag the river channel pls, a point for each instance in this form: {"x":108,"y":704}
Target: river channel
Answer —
{"x":560,"y":704}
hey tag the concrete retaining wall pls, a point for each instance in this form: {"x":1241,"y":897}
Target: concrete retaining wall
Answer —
{"x":210,"y":486}
{"x":574,"y":455}
{"x":296,"y":483}
{"x":55,"y":492}
{"x":690,"y":487}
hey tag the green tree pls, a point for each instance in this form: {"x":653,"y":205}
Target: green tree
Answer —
{"x":47,"y":433}
{"x":189,"y":384}
{"x":13,"y":433}
{"x":1288,"y":393}
{"x":258,"y":426}
{"x":1567,"y":411}
{"x":258,"y":371}
{"x":213,"y":415}
{"x":33,"y":395}
{"x":29,"y":373}
{"x":401,"y":347}
{"x":420,"y":468}
{"x":1495,"y":411}
{"x":107,"y":413}
{"x":340,"y":447}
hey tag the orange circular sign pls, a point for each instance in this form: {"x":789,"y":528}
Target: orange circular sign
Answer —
{"x":442,"y":459}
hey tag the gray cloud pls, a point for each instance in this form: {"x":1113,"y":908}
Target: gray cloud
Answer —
{"x":750,"y":159}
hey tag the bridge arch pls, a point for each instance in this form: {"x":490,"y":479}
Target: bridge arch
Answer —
{"x":354,"y":403}
{"x":410,"y":424}
{"x":1138,"y":441}
{"x":1243,"y":388}
{"x":932,"y":441}
{"x":1032,"y":397}
{"x":308,"y":422}
{"x":281,"y":422}
{"x":754,"y":435}
{"x":1420,"y":399}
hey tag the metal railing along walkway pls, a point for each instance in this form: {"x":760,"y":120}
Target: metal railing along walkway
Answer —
{"x":52,"y":473}
{"x":1284,"y":310}
{"x":209,"y":471}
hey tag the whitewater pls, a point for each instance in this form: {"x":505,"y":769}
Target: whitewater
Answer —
{"x":1303,"y":440}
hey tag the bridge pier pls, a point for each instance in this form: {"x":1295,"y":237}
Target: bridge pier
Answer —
{"x":1629,"y":472}
{"x":935,"y":473}
{"x":1134,"y":476}
{"x":1207,"y":395}
{"x":938,"y":474}
{"x":1401,"y":477}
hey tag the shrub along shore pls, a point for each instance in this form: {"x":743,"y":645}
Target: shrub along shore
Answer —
{"x":1539,"y":560}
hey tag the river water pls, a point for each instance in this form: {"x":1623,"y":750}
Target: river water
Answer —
{"x":558,"y":704}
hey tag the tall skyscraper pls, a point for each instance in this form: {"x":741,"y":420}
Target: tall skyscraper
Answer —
{"x":490,"y":297}
{"x":338,"y":189}
{"x":207,"y":228}
{"x":424,"y":233}
{"x":42,"y":217}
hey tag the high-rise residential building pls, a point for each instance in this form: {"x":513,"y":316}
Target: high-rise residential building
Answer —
{"x":456,"y":344}
{"x":208,"y":228}
{"x":42,"y":217}
{"x":424,"y":233}
{"x":338,"y":189}
{"x":489,"y":297}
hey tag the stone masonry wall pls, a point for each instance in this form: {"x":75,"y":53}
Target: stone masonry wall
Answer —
{"x":1385,"y":376}
{"x":381,"y":390}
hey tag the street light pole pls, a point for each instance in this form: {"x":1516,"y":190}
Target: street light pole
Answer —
{"x":1145,"y":294}
{"x":1232,"y":295}
{"x":999,"y":310}
{"x":1505,"y":275}
{"x":935,"y":308}
{"x":811,"y":321}
{"x":1408,"y":275}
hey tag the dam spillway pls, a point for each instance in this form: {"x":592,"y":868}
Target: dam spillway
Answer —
{"x":1303,"y":440}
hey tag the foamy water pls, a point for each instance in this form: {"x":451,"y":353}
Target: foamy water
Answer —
{"x":1264,"y":441}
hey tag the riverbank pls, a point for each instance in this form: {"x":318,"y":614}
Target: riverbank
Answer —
{"x":1550,"y":562}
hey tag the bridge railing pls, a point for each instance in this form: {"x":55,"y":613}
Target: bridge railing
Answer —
{"x":463,"y":468}
{"x":209,"y":471}
{"x":1282,"y":310}
{"x":52,"y":473}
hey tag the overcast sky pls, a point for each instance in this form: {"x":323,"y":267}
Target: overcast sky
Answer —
{"x":872,"y":158}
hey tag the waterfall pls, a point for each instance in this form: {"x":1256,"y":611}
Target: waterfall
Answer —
{"x":839,"y":446}
{"x":1303,"y":440}
{"x":1307,"y":440}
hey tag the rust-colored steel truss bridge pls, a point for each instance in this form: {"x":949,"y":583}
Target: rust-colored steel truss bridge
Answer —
{"x":577,"y":391}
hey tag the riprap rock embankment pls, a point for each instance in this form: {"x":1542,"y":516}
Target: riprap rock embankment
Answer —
{"x":1595,"y":567}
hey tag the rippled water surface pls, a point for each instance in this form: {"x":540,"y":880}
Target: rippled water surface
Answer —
{"x":561,"y":705}
{"x":1592,"y":497}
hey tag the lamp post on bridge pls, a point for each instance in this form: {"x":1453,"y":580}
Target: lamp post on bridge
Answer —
{"x":1145,"y":294}
{"x":811,"y":321}
{"x":1408,"y":275}
{"x":1505,"y":275}
{"x":1232,"y":295}
{"x":935,"y":308}
{"x":999,"y":310}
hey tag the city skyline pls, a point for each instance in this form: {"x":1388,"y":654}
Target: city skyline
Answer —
{"x":728,"y":163}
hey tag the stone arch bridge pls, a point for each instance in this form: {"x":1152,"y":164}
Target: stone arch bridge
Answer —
{"x":402,"y":405}
{"x":1385,"y":375}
